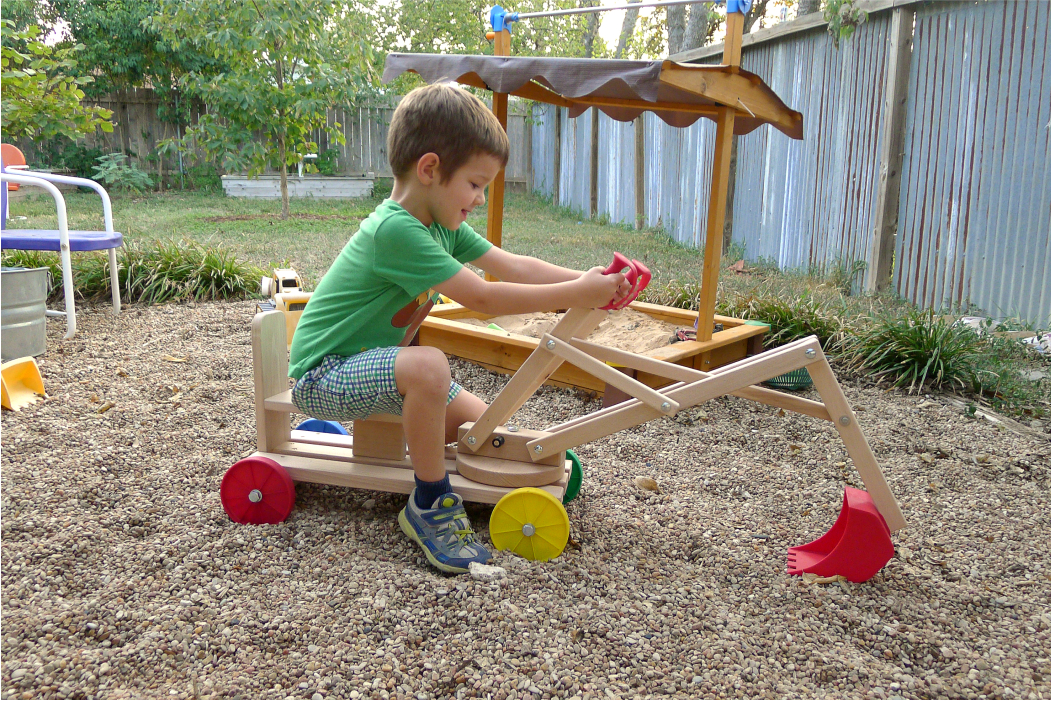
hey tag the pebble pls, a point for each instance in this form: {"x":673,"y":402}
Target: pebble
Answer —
{"x":134,"y":582}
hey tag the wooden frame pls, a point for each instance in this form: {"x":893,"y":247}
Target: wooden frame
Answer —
{"x":504,"y":353}
{"x":492,"y":458}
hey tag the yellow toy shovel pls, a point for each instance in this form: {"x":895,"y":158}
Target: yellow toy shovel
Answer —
{"x":21,"y":383}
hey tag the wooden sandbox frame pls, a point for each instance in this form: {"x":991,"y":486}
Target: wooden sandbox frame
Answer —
{"x":506,"y":352}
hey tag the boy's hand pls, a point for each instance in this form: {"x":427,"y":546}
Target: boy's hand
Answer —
{"x":595,"y":289}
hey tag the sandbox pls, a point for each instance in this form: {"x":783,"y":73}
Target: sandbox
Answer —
{"x":643,"y":328}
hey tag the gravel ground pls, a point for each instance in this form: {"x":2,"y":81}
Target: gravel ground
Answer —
{"x":123,"y":577}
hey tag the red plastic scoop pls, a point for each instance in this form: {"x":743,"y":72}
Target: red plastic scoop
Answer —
{"x":637,"y":274}
{"x":857,"y":546}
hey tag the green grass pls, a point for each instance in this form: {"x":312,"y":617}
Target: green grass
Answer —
{"x":187,"y":231}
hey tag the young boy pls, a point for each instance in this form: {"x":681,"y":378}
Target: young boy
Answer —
{"x":350,"y":353}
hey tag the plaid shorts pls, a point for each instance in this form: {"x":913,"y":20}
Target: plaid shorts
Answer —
{"x":348,"y":389}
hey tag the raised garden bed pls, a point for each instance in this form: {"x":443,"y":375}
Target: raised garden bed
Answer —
{"x":447,"y":328}
{"x":269,"y":186}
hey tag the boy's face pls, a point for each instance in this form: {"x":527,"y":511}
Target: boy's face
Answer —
{"x":454,"y":199}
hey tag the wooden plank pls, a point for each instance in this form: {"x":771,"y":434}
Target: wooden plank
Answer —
{"x":735,"y":91}
{"x":507,"y":445}
{"x":733,"y":377}
{"x":507,"y":473}
{"x":684,"y":374}
{"x":270,"y":371}
{"x":379,"y":439}
{"x":857,"y":447}
{"x":388,"y":479}
{"x":732,"y":39}
{"x":713,"y":235}
{"x":885,"y":225}
{"x":495,"y":215}
{"x":534,"y":371}
{"x":582,"y":360}
{"x":690,"y":349}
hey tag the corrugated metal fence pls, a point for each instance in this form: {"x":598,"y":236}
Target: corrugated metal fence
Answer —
{"x":974,"y":208}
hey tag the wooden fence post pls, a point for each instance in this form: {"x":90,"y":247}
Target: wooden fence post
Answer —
{"x":640,"y":171}
{"x":899,"y":58}
{"x":558,"y":155}
{"x":594,"y":162}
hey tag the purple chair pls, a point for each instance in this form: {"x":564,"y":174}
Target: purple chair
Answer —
{"x":62,"y":239}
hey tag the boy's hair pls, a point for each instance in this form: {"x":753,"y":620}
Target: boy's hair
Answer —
{"x":447,"y":121}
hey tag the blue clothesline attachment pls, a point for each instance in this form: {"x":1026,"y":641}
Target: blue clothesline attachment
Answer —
{"x":501,"y":19}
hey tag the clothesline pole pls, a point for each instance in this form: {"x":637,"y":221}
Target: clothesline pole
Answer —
{"x":633,"y":6}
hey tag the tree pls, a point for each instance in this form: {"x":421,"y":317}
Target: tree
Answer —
{"x":702,"y":24}
{"x":286,"y":63}
{"x":808,"y":7}
{"x":125,"y":49}
{"x":41,"y":97}
{"x":627,"y":28}
{"x":676,"y":27}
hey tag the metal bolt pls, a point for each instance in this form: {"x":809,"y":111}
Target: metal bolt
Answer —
{"x":538,"y":449}
{"x":811,"y":353}
{"x":528,"y":529}
{"x":255,"y":496}
{"x":551,"y":345}
{"x":471,"y":440}
{"x":845,"y":420}
{"x":665,"y":406}
{"x":513,"y":429}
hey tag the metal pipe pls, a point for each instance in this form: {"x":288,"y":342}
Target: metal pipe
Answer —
{"x":632,"y":6}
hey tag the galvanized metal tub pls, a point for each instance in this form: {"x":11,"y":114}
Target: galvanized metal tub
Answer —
{"x":23,"y":304}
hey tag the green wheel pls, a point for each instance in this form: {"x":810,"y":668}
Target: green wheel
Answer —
{"x":576,"y":478}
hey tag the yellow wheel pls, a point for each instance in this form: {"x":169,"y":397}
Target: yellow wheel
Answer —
{"x":531,"y":523}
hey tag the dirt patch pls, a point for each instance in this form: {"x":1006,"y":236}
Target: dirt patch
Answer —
{"x":266,"y":217}
{"x":124,"y":577}
{"x":626,"y":330}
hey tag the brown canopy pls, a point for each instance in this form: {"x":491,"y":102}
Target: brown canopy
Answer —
{"x":677,"y":93}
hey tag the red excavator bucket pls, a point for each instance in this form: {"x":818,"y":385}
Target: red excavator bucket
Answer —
{"x":857,"y":547}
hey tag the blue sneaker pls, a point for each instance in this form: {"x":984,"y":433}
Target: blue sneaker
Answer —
{"x":444,"y":533}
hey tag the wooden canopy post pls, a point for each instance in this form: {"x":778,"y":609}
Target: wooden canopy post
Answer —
{"x":713,"y":235}
{"x":494,"y":225}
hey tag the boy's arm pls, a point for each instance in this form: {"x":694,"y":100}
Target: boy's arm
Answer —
{"x":511,"y":267}
{"x":589,"y":289}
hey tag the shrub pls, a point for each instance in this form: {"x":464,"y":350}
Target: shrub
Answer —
{"x":62,"y":154}
{"x":153,"y":273}
{"x":918,"y":350}
{"x":203,"y":176}
{"x":327,"y":161}
{"x":792,"y":318}
{"x":112,"y":170}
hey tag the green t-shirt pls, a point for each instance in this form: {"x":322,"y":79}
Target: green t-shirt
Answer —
{"x":378,"y":290}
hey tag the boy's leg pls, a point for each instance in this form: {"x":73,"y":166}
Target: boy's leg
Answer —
{"x":423,"y":378}
{"x":440,"y":527}
{"x":463,"y":408}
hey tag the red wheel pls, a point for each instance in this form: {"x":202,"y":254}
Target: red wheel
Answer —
{"x":257,"y":490}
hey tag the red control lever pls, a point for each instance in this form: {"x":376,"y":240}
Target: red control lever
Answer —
{"x":637,"y":274}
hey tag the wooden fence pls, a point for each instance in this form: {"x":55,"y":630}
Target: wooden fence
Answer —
{"x":138,"y":128}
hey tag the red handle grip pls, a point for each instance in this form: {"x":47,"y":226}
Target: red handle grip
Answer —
{"x":637,"y":274}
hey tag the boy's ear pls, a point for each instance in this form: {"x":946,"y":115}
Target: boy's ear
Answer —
{"x":427,"y":168}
